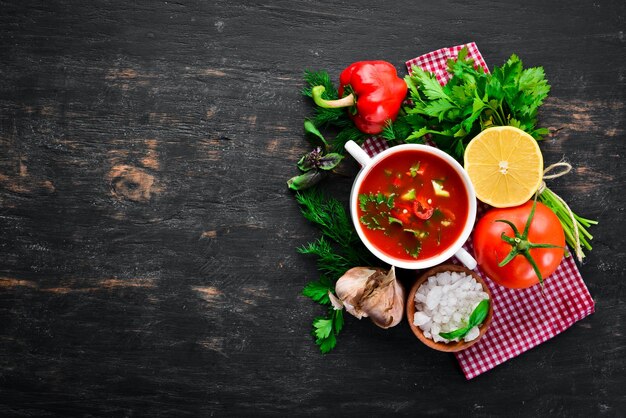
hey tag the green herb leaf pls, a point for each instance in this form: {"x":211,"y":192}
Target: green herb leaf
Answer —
{"x":329,"y":215}
{"x":417,"y":233}
{"x":415,"y":251}
{"x":438,"y":108}
{"x":416,"y":136}
{"x":476,"y":318}
{"x":393,"y":220}
{"x":306,"y":180}
{"x":376,"y":207}
{"x":329,"y":261}
{"x":339,"y":248}
{"x":348,"y":133}
{"x":494,"y":89}
{"x":338,"y":321}
{"x":322,"y":327}
{"x":329,"y":161}
{"x":311,"y":129}
{"x":428,"y":84}
{"x":326,"y":329}
{"x":459,"y":333}
{"x":388,"y":131}
{"x":305,"y":163}
{"x":319,"y":78}
{"x":480,"y":313}
{"x":371,"y":222}
{"x":327,"y":344}
{"x":363,"y":199}
{"x":318,"y":291}
{"x":473,"y":100}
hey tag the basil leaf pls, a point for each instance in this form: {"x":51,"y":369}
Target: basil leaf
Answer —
{"x":480,"y":313}
{"x":311,"y":129}
{"x":304,"y":181}
{"x":475,"y":319}
{"x":329,"y":161}
{"x":305,"y":163}
{"x":459,"y":333}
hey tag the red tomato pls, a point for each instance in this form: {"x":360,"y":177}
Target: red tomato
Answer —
{"x":490,"y":249}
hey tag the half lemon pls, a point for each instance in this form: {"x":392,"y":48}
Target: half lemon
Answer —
{"x":505,"y":166}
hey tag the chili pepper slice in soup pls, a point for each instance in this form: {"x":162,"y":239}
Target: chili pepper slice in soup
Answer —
{"x":412,"y":205}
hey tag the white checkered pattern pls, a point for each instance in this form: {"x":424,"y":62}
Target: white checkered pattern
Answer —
{"x":435,"y":61}
{"x":524,"y":318}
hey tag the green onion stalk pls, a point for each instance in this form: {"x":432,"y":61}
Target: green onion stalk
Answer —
{"x":574,"y":226}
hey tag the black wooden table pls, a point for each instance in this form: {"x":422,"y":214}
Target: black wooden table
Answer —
{"x":147,"y":237}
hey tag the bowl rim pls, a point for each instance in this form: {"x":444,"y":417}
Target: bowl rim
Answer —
{"x":411,"y":309}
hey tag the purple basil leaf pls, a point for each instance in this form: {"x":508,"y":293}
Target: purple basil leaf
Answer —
{"x":329,"y":161}
{"x":310,"y":160}
{"x":305,"y":163}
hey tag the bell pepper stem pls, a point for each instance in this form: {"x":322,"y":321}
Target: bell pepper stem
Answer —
{"x":317,"y":92}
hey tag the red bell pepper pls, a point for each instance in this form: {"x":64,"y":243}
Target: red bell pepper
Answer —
{"x":375,"y":91}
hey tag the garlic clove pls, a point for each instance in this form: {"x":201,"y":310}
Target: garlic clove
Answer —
{"x":384,"y":299}
{"x":335,"y":301}
{"x":350,"y":287}
{"x":367,"y":292}
{"x":357,"y":313}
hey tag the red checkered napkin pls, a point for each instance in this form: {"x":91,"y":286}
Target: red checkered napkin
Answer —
{"x":525,"y":318}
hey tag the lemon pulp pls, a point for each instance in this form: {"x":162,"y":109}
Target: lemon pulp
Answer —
{"x":505,"y":166}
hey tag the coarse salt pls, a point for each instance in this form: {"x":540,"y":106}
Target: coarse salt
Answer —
{"x":445,"y":302}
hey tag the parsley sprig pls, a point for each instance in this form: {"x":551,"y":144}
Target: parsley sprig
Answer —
{"x":471,"y":101}
{"x":337,"y":250}
{"x":376,"y":208}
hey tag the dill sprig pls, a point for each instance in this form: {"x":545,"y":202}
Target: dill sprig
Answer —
{"x":337,"y":250}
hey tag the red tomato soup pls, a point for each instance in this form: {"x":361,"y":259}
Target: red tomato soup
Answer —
{"x":412,"y":205}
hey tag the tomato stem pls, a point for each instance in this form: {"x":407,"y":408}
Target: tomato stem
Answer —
{"x":520,"y":245}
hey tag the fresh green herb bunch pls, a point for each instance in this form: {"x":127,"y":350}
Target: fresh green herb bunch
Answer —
{"x":471,"y":101}
{"x":336,"y":118}
{"x":316,"y":164}
{"x":337,"y":250}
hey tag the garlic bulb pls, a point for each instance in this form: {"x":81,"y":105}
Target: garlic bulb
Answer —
{"x":370,"y":292}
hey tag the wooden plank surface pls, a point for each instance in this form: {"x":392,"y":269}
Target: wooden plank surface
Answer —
{"x":147,"y":238}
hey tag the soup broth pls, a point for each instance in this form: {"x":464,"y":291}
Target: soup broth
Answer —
{"x":412,"y":205}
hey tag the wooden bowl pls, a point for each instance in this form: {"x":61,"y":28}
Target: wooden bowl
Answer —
{"x":410,"y":310}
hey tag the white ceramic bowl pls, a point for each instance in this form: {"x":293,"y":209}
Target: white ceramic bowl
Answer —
{"x":455,"y":249}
